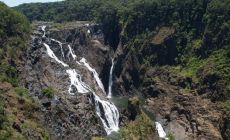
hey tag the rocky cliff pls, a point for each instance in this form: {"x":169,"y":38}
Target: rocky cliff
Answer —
{"x":65,"y":115}
{"x":173,"y":98}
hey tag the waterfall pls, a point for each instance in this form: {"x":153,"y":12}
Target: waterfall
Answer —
{"x":95,"y":74}
{"x":52,"y":55}
{"x":108,"y":114}
{"x":160,"y":131}
{"x":71,"y":52}
{"x":76,"y":81}
{"x":110,"y":81}
{"x":60,"y":44}
{"x":107,"y":111}
{"x":44,"y":31}
{"x":110,"y":117}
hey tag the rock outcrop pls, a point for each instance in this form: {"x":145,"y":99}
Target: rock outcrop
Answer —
{"x":183,"y":113}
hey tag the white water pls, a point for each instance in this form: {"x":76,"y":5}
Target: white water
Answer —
{"x":44,"y":31}
{"x":71,"y":52}
{"x":110,"y":81}
{"x":60,"y":44}
{"x":76,"y":81}
{"x":95,"y":74}
{"x":52,"y":55}
{"x":110,"y":119}
{"x":109,"y":114}
{"x":160,"y":131}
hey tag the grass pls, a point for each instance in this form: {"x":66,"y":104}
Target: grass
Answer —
{"x":22,"y":92}
{"x":197,"y":43}
{"x":190,"y":69}
{"x":98,"y":138}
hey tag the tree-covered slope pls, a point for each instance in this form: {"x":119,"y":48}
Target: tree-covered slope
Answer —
{"x":17,"y":108}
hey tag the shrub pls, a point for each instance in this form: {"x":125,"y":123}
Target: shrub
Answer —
{"x":4,"y":135}
{"x":170,"y":136}
{"x":49,"y":92}
{"x":23,"y":92}
{"x":142,"y":128}
{"x":2,"y":115}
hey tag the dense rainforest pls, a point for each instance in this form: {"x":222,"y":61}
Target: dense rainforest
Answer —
{"x":189,"y":38}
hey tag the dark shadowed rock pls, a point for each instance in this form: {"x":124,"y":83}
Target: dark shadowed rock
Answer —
{"x":133,"y":108}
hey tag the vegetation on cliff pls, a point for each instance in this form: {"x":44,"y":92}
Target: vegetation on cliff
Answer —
{"x":14,"y":29}
{"x":17,"y":108}
{"x":142,"y":128}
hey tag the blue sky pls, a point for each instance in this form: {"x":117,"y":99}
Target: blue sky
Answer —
{"x":12,"y":3}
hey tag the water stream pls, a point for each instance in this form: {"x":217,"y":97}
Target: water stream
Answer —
{"x":43,"y":28}
{"x":52,"y":55}
{"x":60,"y":44}
{"x":160,"y":131}
{"x":95,"y":74}
{"x":110,"y":81}
{"x":71,"y":52}
{"x":107,"y":111}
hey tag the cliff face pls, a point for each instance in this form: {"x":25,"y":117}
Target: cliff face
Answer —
{"x":65,"y":115}
{"x":174,"y":99}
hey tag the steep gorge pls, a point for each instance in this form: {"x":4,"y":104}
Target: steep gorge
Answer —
{"x":85,"y":115}
{"x":149,"y":67}
{"x":56,"y":59}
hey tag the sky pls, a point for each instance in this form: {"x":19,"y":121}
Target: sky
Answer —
{"x":12,"y":3}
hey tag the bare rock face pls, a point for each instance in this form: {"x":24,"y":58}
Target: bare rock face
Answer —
{"x":65,"y":116}
{"x":133,"y":108}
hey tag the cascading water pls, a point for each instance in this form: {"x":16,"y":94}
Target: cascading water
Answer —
{"x":43,"y":28}
{"x":76,"y":81}
{"x":110,"y":117}
{"x":107,"y":111}
{"x":160,"y":131}
{"x":95,"y":74}
{"x":71,"y":52}
{"x":60,"y":44}
{"x":110,"y":81}
{"x":108,"y":114}
{"x":52,"y":55}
